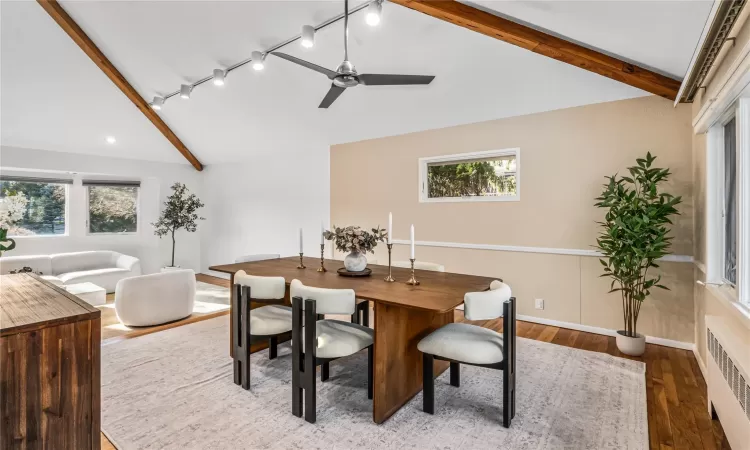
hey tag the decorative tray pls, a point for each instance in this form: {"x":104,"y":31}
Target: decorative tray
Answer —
{"x":345,"y":273}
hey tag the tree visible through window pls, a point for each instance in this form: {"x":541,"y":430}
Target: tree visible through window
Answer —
{"x":113,"y":209}
{"x":42,"y":205}
{"x":485,"y":177}
{"x":730,"y":202}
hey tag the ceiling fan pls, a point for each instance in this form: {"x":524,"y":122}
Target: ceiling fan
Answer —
{"x":346,"y":76}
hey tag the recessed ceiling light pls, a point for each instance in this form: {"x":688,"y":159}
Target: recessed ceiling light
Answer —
{"x":308,"y":36}
{"x":257,"y":58}
{"x":111,"y":140}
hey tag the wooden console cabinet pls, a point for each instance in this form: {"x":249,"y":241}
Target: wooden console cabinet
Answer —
{"x":49,"y":367}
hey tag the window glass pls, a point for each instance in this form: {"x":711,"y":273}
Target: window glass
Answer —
{"x":113,"y":209}
{"x":485,"y":177}
{"x":730,"y":202}
{"x":32,"y":208}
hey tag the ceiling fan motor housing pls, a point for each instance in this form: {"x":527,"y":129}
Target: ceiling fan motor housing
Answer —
{"x":347,"y":75}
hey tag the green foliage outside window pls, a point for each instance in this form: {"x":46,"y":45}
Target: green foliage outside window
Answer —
{"x":113,"y":209}
{"x":45,"y":209}
{"x":469,"y":179}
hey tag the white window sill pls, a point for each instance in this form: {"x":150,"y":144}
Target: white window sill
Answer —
{"x":728,"y":297}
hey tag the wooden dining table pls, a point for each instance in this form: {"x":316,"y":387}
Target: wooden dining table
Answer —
{"x":404,"y":314}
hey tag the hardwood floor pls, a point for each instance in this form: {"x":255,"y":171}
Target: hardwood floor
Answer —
{"x":675,"y":389}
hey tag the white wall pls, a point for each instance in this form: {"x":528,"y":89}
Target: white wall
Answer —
{"x":156,"y":179}
{"x":258,"y":206}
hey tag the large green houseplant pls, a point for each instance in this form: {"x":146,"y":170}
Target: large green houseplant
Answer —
{"x":634,"y":235}
{"x":179,"y":212}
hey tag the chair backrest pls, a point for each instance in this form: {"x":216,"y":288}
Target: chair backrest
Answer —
{"x":261,"y":288}
{"x":420,"y":265}
{"x":487,"y":305}
{"x":259,"y":257}
{"x":327,"y":301}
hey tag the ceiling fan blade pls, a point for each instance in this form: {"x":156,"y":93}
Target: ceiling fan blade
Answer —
{"x":375,"y":79}
{"x":329,"y":73}
{"x":331,"y":96}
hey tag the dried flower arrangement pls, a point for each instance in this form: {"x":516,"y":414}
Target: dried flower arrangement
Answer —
{"x":354,"y":239}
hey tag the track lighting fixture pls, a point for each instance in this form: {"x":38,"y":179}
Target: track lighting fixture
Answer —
{"x":308,"y":36}
{"x":374,"y":12}
{"x":157,"y":103}
{"x":219,"y":77}
{"x":257,"y":58}
{"x":185,"y":91}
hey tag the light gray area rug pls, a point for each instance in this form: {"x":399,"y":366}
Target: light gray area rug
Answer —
{"x":211,"y":293}
{"x":174,"y":390}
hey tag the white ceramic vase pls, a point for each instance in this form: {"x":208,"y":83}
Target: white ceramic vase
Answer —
{"x":355,"y":262}
{"x":633,"y":346}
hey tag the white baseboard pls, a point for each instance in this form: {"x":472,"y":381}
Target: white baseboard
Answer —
{"x":604,"y":331}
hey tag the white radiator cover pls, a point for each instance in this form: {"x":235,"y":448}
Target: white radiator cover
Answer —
{"x":728,"y":382}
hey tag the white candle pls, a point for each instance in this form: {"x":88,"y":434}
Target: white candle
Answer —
{"x":390,"y":227}
{"x":412,"y":242}
{"x":322,"y":230}
{"x":300,"y":240}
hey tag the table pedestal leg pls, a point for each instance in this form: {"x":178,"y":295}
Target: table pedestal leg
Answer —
{"x":398,"y":363}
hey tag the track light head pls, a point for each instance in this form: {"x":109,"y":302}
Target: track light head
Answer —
{"x":157,"y":103}
{"x":374,"y":11}
{"x":257,"y":60}
{"x":185,"y":91}
{"x":219,"y":76}
{"x":308,"y":36}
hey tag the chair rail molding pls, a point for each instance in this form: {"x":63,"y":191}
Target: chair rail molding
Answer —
{"x":522,"y":249}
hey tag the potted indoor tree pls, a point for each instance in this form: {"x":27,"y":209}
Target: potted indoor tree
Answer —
{"x":634,"y":235}
{"x":179,"y":212}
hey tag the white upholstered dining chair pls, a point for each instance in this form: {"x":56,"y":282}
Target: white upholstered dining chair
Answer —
{"x":253,"y":325}
{"x":463,"y":343}
{"x":321,"y":341}
{"x":259,"y":257}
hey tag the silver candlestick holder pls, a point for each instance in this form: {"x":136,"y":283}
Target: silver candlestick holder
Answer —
{"x":413,"y":281}
{"x":301,"y":264}
{"x":389,"y":278}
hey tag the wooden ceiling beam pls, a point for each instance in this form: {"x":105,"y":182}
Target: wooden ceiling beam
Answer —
{"x":545,"y":44}
{"x":56,"y":11}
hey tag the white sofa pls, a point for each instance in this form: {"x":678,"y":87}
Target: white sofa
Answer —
{"x":155,"y":299}
{"x":103,"y":268}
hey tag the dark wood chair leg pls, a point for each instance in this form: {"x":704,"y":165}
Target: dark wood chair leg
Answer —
{"x":366,"y":314}
{"x":236,"y":316}
{"x":428,"y":384}
{"x":370,"y":368}
{"x":507,"y":395}
{"x":310,"y":363}
{"x":297,"y":361}
{"x":325,"y":371}
{"x":273,"y":343}
{"x":455,"y":374}
{"x":246,"y":338}
{"x":355,"y":317}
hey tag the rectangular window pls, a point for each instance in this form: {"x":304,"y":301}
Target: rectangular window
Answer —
{"x":481,"y":176}
{"x":112,"y":207}
{"x":33,"y":206}
{"x":730,"y":202}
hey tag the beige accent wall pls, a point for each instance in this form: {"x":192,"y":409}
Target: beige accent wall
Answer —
{"x":565,"y":155}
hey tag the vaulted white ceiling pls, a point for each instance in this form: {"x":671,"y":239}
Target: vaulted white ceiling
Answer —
{"x":55,"y":98}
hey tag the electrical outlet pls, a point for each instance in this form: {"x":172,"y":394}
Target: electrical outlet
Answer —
{"x":539,"y":303}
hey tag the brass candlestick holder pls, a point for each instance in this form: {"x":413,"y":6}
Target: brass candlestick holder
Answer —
{"x":301,"y":264}
{"x":322,"y":268}
{"x":389,"y":278}
{"x":413,"y":281}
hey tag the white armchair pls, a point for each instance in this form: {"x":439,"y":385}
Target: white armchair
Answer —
{"x":155,"y":299}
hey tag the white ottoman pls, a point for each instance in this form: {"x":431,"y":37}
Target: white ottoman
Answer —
{"x":88,"y":292}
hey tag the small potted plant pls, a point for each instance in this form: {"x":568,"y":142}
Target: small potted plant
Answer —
{"x":356,"y":242}
{"x":634,"y":235}
{"x":179,"y":212}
